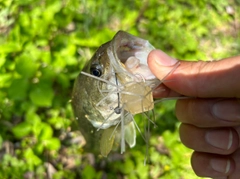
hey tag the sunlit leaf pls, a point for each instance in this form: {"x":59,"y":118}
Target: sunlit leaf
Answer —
{"x":2,"y":61}
{"x":46,"y":132}
{"x":22,"y":129}
{"x":52,"y":143}
{"x":50,"y":11}
{"x":25,"y":66}
{"x":42,"y":95}
{"x":9,"y":47}
{"x":5,"y":80}
{"x":31,"y":158}
{"x":39,"y":147}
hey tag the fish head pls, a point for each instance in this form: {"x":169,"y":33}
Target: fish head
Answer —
{"x":89,"y":91}
{"x":118,"y":66}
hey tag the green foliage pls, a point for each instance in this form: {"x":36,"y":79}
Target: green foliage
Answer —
{"x":45,"y":44}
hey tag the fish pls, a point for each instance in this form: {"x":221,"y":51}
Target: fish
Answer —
{"x":115,"y":85}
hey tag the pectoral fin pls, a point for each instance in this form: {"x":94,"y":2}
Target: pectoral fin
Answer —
{"x":109,"y":135}
{"x":106,"y":141}
{"x":130,"y":134}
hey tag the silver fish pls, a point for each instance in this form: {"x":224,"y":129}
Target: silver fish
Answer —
{"x":115,"y":85}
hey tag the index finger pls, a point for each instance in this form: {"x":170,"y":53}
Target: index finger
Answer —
{"x":209,"y":112}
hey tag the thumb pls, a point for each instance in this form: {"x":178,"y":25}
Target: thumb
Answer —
{"x":197,"y":79}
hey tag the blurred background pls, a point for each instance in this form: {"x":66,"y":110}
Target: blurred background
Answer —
{"x":44,"y":44}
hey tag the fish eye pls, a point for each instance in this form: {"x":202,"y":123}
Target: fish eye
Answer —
{"x":96,"y":70}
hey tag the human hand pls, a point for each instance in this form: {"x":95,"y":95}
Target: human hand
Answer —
{"x":211,"y":119}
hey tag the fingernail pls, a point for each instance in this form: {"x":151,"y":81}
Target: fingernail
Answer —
{"x":220,"y":165}
{"x":221,"y":139}
{"x":227,"y":110}
{"x":163,"y":59}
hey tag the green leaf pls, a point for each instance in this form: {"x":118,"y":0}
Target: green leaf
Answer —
{"x":46,"y":132}
{"x":89,"y":172}
{"x":18,"y":89}
{"x":2,"y":61}
{"x":127,"y":167}
{"x":31,"y":158}
{"x":95,"y":40}
{"x":49,"y":12}
{"x":57,"y":122}
{"x":48,"y":73}
{"x":63,"y":79}
{"x":38,"y":148}
{"x":1,"y":141}
{"x":22,"y":129}
{"x":52,"y":143}
{"x":42,"y":95}
{"x":24,"y":2}
{"x":10,"y":47}
{"x":25,"y":66}
{"x":24,"y":20}
{"x":32,"y":117}
{"x":5,"y":80}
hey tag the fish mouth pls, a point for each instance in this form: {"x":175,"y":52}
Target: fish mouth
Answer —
{"x":128,"y":55}
{"x":126,"y":45}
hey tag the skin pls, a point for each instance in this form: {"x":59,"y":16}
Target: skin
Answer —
{"x":211,"y":116}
